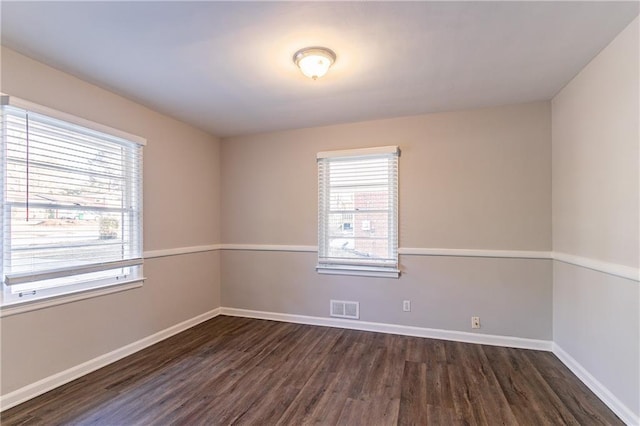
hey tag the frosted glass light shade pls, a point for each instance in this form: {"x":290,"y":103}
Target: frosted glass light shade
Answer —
{"x":314,"y":62}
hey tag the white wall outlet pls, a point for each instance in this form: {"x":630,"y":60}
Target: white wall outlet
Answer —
{"x":475,"y":322}
{"x":406,"y":305}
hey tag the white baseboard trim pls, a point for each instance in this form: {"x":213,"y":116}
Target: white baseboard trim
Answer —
{"x":41,"y":386}
{"x":596,"y":387}
{"x":405,"y":330}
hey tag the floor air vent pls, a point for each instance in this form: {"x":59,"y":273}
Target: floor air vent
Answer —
{"x":345,"y":309}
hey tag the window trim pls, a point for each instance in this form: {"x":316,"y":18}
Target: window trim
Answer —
{"x":20,"y":278}
{"x":59,"y":115}
{"x":348,"y":266}
{"x":73,"y":291}
{"x":22,"y":306}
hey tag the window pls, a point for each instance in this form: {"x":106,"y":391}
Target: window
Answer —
{"x":71,"y":204}
{"x":358,"y":212}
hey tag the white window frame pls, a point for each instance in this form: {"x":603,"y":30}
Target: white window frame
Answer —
{"x":75,"y":288}
{"x":388,"y":266}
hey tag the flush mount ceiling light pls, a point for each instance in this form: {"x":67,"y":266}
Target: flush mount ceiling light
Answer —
{"x":314,"y":62}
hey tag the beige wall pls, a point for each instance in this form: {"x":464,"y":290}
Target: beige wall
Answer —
{"x":595,"y":157}
{"x":596,"y":154}
{"x":476,"y":179}
{"x":181,"y":209}
{"x":471,"y":179}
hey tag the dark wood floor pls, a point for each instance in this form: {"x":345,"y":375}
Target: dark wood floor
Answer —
{"x":244,"y":371}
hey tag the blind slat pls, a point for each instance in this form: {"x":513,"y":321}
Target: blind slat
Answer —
{"x":13,"y":279}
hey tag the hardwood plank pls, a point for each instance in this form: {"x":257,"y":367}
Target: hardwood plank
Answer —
{"x":467,"y":409}
{"x":354,"y":412}
{"x":300,"y":409}
{"x":437,"y":415}
{"x":482,"y":381}
{"x":226,"y":406}
{"x":315,"y":354}
{"x":252,"y":372}
{"x":530,"y":398}
{"x":329,"y":406}
{"x":270,"y":408}
{"x":341,"y":365}
{"x":585,"y":407}
{"x":413,"y":397}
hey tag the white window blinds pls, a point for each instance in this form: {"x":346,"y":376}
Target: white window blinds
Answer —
{"x":72,"y":206}
{"x":358,"y":212}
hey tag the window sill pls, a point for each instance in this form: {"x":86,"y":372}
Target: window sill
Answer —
{"x":13,"y":308}
{"x":361,"y":271}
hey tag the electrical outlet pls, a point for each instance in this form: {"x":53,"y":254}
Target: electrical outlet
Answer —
{"x":406,"y":305}
{"x":475,"y":322}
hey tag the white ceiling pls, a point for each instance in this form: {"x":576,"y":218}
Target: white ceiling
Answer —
{"x":226,"y":67}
